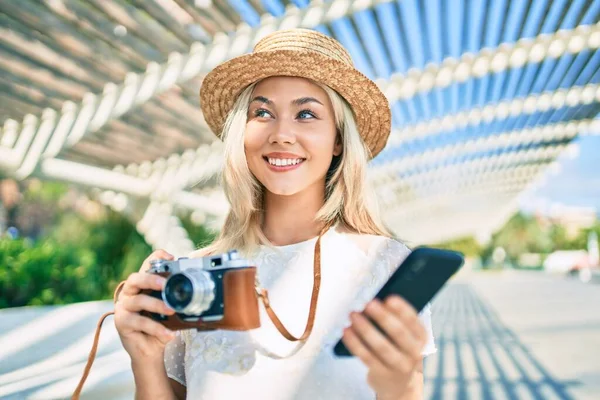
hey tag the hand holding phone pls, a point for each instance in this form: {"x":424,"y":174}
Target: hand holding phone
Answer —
{"x":418,"y":279}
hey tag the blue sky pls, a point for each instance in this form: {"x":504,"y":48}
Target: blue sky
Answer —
{"x":578,"y":181}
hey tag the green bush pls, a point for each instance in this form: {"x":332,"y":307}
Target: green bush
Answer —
{"x":46,"y":273}
{"x":77,"y":260}
{"x":79,"y":251}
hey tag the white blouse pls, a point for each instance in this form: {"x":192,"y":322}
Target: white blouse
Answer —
{"x":253,"y":364}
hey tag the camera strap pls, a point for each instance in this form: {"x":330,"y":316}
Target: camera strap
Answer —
{"x":94,"y":349}
{"x":263,"y":294}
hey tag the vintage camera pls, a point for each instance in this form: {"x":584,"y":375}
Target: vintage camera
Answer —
{"x":212,"y":292}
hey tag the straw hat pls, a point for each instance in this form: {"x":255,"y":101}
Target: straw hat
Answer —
{"x":300,"y":53}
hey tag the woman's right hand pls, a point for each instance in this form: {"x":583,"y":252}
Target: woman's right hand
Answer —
{"x":142,"y":337}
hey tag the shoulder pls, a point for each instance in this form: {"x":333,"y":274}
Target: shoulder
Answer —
{"x":383,"y":253}
{"x":376,"y":245}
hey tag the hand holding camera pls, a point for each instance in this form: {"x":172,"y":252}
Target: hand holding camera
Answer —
{"x":141,"y":336}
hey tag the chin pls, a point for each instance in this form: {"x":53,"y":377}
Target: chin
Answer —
{"x":287,"y":186}
{"x":283,"y":190}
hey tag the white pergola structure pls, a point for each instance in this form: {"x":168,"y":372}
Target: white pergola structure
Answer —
{"x":104,"y":95}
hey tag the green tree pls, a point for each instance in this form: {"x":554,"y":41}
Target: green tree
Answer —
{"x":522,"y":234}
{"x":466,"y":245}
{"x":526,"y":234}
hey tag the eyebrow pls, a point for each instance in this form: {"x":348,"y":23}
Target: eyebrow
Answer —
{"x":305,"y":100}
{"x":298,"y":102}
{"x":263,"y":100}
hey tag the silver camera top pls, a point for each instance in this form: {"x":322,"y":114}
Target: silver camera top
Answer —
{"x":227,"y":260}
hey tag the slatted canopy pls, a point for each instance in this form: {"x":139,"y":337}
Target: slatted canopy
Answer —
{"x":485,"y":96}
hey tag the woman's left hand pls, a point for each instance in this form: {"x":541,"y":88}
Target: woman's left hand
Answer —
{"x":391,"y":360}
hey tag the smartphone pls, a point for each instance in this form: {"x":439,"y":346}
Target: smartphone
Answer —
{"x":417,"y":280}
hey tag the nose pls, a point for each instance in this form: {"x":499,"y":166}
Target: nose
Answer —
{"x":283,"y":133}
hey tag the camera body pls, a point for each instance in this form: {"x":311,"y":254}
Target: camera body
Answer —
{"x":207,"y":293}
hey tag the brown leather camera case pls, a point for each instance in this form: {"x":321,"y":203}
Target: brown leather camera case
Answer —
{"x":240,"y":303}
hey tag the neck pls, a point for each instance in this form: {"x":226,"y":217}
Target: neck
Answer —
{"x":291,"y":219}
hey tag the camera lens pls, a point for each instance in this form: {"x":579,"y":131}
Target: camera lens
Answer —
{"x":190,"y":292}
{"x":179,"y":292}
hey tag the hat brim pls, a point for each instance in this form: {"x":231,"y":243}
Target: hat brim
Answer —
{"x":224,"y":83}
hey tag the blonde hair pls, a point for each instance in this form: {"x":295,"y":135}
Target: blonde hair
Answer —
{"x":348,"y":199}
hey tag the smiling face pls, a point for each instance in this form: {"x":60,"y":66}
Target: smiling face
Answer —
{"x":290,"y":136}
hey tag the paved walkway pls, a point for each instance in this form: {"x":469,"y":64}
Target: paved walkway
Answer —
{"x":508,"y":335}
{"x":516,"y":335}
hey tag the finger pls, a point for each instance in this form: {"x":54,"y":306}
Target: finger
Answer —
{"x":156,"y":255}
{"x":139,"y":323}
{"x":407,"y":314}
{"x":142,"y":280}
{"x":359,"y":349}
{"x":142,"y":302}
{"x":394,"y":328}
{"x":379,"y":345}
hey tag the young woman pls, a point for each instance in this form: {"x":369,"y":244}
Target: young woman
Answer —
{"x":299,"y":125}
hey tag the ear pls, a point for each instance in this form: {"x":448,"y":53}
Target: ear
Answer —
{"x":337,"y":147}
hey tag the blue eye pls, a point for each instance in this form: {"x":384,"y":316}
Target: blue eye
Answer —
{"x":303,"y":113}
{"x":261,"y":113}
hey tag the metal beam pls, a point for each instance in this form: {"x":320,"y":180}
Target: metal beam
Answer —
{"x":389,"y":172}
{"x":552,"y":100}
{"x":526,"y":50}
{"x":545,"y":136}
{"x":417,"y":190}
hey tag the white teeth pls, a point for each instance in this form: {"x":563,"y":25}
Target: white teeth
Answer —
{"x":284,"y":162}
